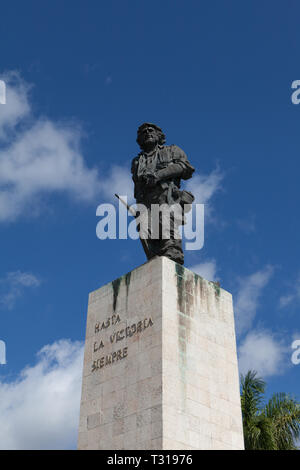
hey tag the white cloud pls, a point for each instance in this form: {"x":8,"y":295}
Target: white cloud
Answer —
{"x":262,"y":352}
{"x":247,"y":297}
{"x":207,"y":270}
{"x":12,"y":287}
{"x":293,"y":296}
{"x":204,"y":187}
{"x":119,"y":182}
{"x":38,"y":156}
{"x":40,"y":409}
{"x":43,"y":159}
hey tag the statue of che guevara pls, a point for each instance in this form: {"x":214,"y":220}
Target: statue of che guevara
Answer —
{"x":156,"y":172}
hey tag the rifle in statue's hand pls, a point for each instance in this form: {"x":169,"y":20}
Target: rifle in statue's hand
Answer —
{"x":129,"y":208}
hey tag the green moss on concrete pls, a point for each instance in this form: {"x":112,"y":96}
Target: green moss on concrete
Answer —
{"x":217,"y":288}
{"x":116,"y":288}
{"x":197,"y":278}
{"x":127,"y":282}
{"x":179,"y":270}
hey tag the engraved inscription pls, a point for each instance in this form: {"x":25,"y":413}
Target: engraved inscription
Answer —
{"x":109,"y":359}
{"x":115,"y":337}
{"x":113,"y":320}
{"x":98,"y":346}
{"x":131,"y":330}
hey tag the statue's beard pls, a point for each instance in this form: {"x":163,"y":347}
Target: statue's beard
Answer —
{"x":150,"y":142}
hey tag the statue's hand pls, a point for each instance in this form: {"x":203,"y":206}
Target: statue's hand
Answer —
{"x":171,"y":171}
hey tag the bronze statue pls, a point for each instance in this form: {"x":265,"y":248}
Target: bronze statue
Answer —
{"x":156,"y":172}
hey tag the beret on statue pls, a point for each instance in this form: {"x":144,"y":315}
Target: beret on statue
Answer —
{"x":148,"y":124}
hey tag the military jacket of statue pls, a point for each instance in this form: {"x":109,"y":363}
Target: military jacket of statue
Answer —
{"x":166,"y":190}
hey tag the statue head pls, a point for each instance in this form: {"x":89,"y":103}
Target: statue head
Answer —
{"x":149,"y":135}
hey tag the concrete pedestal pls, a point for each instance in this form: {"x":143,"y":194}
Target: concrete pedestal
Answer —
{"x":160,"y":364}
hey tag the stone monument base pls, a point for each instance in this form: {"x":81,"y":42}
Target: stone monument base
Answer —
{"x":160,"y":364}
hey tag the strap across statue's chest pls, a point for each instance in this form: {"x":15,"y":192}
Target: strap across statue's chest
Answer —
{"x":146,"y":163}
{"x":154,"y":162}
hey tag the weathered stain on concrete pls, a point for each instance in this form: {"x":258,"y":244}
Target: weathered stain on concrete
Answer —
{"x":185,"y":290}
{"x":217,"y":289}
{"x":199,"y":281}
{"x":197,"y":278}
{"x":127,"y":282}
{"x":180,"y":286}
{"x":116,"y":288}
{"x":183,"y":327}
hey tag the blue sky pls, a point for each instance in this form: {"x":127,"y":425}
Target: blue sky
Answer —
{"x":81,"y":77}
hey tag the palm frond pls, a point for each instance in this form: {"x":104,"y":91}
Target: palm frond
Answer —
{"x":285,"y":414}
{"x":252,"y":390}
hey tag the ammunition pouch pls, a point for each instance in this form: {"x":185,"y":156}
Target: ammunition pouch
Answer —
{"x":186,"y":200}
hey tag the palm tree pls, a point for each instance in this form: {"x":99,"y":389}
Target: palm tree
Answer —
{"x":271,"y":426}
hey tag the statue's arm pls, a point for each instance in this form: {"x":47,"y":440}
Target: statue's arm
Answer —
{"x":179,"y":168}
